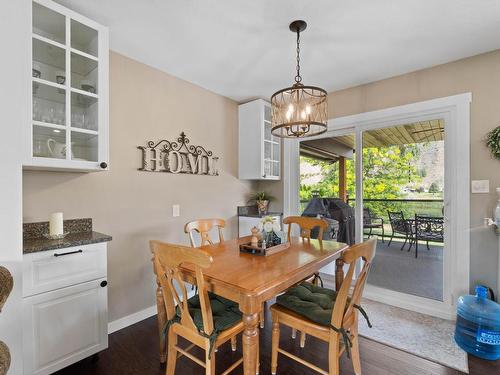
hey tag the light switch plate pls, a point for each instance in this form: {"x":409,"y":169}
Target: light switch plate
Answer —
{"x":176,"y":210}
{"x":480,"y":186}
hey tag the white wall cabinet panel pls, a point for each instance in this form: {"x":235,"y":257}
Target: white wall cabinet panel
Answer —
{"x":69,"y":107}
{"x":259,"y":150}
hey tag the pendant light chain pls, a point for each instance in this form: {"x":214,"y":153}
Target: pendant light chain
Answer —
{"x":298,"y":78}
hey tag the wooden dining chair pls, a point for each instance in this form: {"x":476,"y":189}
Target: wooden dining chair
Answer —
{"x":306,"y":225}
{"x":206,"y":320}
{"x":203,"y":227}
{"x":326,"y":314}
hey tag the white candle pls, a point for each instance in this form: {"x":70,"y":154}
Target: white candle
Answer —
{"x":56,"y":224}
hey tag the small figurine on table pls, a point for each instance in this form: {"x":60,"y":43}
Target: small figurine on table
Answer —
{"x":255,"y":236}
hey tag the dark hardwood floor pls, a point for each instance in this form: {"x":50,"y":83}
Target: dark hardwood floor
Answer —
{"x":134,"y":350}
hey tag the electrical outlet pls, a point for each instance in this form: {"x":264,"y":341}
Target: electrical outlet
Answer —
{"x":480,"y":186}
{"x":176,"y":210}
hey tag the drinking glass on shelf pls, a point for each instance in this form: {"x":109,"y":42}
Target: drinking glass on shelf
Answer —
{"x":52,"y":115}
{"x":37,"y":110}
{"x":39,"y":148}
{"x":45,"y":117}
{"x":60,"y":115}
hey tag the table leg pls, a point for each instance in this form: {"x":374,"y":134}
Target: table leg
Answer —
{"x":339,"y":273}
{"x":250,"y":343}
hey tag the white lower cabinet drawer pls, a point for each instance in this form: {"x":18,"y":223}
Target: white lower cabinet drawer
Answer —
{"x":64,"y":326}
{"x":54,"y":269}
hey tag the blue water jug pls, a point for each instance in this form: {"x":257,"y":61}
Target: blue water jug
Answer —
{"x":478,"y":325}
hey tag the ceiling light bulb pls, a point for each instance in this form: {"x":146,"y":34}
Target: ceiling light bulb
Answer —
{"x":308,"y":109}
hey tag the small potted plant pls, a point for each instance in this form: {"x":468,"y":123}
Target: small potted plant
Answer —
{"x":261,"y":199}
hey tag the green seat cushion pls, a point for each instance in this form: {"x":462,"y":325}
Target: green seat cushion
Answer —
{"x":225,"y":313}
{"x":310,"y":301}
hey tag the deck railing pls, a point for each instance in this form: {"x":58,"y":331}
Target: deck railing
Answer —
{"x":379,"y":207}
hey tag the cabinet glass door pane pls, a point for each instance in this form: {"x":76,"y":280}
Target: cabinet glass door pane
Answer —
{"x":267,"y":150}
{"x":49,"y":24}
{"x":267,"y":113}
{"x":267,"y":131}
{"x":276,"y":151}
{"x":49,"y":142}
{"x":49,"y":104}
{"x":84,"y":146}
{"x":267,"y":168}
{"x":49,"y":62}
{"x":84,"y":38}
{"x":276,"y":168}
{"x":84,"y":111}
{"x":84,"y":73}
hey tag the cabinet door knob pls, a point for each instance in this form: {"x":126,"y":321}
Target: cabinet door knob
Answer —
{"x":103,"y":165}
{"x":104,"y":283}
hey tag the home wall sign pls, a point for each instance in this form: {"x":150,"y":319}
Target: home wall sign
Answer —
{"x":178,"y":157}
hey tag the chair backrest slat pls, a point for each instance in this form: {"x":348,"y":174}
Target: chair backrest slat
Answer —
{"x":306,"y":224}
{"x":366,"y":252}
{"x":167,"y":259}
{"x":203,"y":227}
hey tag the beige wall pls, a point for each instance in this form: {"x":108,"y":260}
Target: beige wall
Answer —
{"x":479,"y":75}
{"x":134,"y":206}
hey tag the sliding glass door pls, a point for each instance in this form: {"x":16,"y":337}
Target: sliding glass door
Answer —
{"x":403,"y":183}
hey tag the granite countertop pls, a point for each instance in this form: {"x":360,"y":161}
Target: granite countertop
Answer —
{"x":79,"y":233}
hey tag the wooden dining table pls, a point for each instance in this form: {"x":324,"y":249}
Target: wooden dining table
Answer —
{"x":251,"y":280}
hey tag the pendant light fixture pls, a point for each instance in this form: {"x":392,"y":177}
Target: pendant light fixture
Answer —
{"x":299,"y":111}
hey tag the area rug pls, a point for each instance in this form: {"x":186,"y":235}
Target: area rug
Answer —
{"x":422,"y":335}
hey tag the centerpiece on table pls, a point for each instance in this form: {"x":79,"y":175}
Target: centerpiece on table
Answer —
{"x":262,"y":200}
{"x":267,"y":238}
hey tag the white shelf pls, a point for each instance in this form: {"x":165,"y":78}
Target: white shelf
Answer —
{"x":84,"y":54}
{"x":49,"y":83}
{"x":84,"y":131}
{"x":49,"y":125}
{"x":47,"y":40}
{"x":85,"y":93}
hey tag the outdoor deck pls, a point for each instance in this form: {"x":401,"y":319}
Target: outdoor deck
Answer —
{"x":400,"y":271}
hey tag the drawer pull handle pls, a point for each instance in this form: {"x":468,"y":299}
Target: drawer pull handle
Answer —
{"x":68,"y":253}
{"x":104,"y":283}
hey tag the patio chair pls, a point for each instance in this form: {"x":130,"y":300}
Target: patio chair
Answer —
{"x":371,"y":222}
{"x":427,"y":229}
{"x":399,"y":225}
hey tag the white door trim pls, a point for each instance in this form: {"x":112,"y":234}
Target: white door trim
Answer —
{"x":455,"y":110}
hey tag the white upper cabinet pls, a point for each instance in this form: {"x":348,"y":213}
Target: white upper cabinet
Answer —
{"x":69,"y":122}
{"x":259,"y":150}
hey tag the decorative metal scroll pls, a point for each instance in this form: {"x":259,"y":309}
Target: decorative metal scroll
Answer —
{"x":178,"y":157}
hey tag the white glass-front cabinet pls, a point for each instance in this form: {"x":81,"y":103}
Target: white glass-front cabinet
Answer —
{"x":259,"y":150}
{"x":69,"y":123}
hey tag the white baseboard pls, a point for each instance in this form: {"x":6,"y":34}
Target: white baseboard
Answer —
{"x":128,"y":320}
{"x":136,"y":317}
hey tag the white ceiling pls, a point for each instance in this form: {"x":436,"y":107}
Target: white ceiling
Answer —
{"x":244,"y":49}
